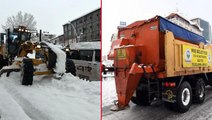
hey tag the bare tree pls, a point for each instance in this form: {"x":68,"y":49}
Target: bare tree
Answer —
{"x":20,"y":19}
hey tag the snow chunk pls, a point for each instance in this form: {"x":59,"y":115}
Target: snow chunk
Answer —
{"x":61,"y":57}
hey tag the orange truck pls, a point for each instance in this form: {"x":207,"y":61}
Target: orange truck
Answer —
{"x":156,"y":59}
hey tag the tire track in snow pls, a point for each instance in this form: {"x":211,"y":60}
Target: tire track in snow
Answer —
{"x":26,"y":105}
{"x":9,"y":108}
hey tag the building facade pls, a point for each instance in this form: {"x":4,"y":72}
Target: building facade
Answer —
{"x":59,"y":40}
{"x":206,"y":26}
{"x":83,"y":29}
{"x":185,"y":23}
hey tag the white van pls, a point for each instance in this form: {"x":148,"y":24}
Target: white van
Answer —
{"x":86,"y":57}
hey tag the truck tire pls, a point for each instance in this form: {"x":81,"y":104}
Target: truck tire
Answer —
{"x":142,"y":96}
{"x":199,"y":91}
{"x":184,"y":97}
{"x":70,"y":67}
{"x":27,"y":72}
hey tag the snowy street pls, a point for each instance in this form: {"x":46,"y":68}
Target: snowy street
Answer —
{"x":49,"y":99}
{"x":156,"y":111}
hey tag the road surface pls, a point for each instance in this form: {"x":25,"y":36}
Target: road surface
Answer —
{"x":157,"y":111}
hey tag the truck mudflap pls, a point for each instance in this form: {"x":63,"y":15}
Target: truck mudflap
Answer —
{"x":169,"y":95}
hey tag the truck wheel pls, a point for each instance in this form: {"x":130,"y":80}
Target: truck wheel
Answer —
{"x":199,"y":91}
{"x":27,"y":72}
{"x":70,"y":67}
{"x":184,"y":97}
{"x":142,"y":98}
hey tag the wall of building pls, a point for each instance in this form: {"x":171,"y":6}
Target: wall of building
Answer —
{"x":206,"y":26}
{"x":83,"y":29}
{"x":185,"y":24}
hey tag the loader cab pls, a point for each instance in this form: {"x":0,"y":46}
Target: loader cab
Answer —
{"x":15,"y":38}
{"x":22,"y":34}
{"x":2,"y":38}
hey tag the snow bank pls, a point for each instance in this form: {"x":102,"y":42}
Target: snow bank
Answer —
{"x":85,"y":45}
{"x":50,"y":99}
{"x":61,"y":57}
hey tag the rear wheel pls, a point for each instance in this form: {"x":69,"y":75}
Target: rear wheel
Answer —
{"x":27,"y":72}
{"x":199,"y":91}
{"x":184,"y":97}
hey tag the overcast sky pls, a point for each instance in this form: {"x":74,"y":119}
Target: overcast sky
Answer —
{"x":129,"y":11}
{"x":49,"y":14}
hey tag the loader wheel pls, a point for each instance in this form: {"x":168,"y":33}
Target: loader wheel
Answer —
{"x":199,"y":91}
{"x":142,"y":97}
{"x":184,"y":97}
{"x":27,"y":72}
{"x":70,"y":67}
{"x":1,"y":61}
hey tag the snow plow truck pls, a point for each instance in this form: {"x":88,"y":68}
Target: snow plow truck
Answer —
{"x":156,"y":59}
{"x":19,"y":53}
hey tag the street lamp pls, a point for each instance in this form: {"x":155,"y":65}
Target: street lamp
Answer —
{"x":75,"y":31}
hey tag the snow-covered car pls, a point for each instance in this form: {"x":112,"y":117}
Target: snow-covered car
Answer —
{"x":86,"y":59}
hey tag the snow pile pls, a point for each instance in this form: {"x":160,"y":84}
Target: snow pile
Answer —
{"x":108,"y":91}
{"x":61,"y":57}
{"x":50,"y":99}
{"x":85,"y":45}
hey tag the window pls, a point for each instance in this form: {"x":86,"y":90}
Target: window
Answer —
{"x":65,"y":28}
{"x":73,"y":55}
{"x":80,"y":21}
{"x":97,"y":55}
{"x":86,"y":55}
{"x":83,"y":30}
{"x":85,"y":19}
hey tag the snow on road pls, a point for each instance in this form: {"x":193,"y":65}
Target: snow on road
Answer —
{"x":49,"y":99}
{"x":108,"y":91}
{"x":156,"y":111}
